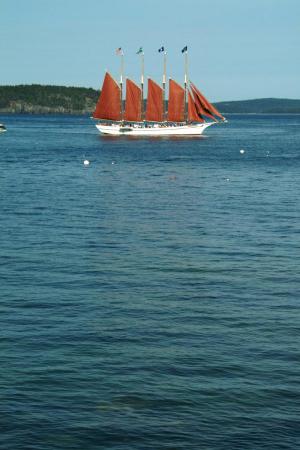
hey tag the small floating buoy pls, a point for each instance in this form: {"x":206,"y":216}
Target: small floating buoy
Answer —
{"x":227,"y":179}
{"x":86,"y":162}
{"x":242,"y":151}
{"x":113,"y":162}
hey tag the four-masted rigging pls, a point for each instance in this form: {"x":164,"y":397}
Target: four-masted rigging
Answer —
{"x":186,"y":114}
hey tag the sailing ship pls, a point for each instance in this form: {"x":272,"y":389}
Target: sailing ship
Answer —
{"x":187,"y":112}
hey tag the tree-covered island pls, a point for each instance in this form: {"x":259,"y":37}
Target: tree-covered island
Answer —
{"x":41,"y":99}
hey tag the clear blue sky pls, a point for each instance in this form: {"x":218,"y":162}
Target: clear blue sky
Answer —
{"x":238,"y":49}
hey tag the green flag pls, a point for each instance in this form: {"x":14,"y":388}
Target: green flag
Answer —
{"x":140,"y":50}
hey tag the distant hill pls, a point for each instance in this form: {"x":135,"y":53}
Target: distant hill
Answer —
{"x":261,"y":106}
{"x":43,"y":99}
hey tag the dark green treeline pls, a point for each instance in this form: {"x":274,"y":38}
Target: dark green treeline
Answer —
{"x":43,"y":99}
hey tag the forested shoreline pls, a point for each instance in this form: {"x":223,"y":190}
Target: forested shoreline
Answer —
{"x":47,"y":99}
{"x":44,"y":99}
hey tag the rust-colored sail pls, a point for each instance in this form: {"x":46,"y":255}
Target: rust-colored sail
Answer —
{"x":133,"y":102}
{"x":154,"y":110}
{"x":193,"y":115}
{"x":176,"y":102}
{"x":201,"y":108}
{"x":109,"y":103}
{"x":205,"y":103}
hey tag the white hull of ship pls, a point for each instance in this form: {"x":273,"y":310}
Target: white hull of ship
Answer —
{"x":155,"y":130}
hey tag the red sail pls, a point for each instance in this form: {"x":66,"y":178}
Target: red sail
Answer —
{"x":154,"y":111}
{"x":201,"y":108}
{"x":193,"y":115}
{"x":206,"y":104}
{"x":109,"y":103}
{"x":133,"y":102}
{"x":176,"y":102}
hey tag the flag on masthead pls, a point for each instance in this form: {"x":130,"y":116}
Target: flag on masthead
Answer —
{"x":161,"y":49}
{"x":119,"y":51}
{"x":184,"y":49}
{"x":140,"y":50}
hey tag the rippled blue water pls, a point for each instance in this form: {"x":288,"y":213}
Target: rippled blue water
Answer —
{"x":151,"y":300}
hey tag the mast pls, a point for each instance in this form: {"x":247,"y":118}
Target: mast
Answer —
{"x":142,"y":86}
{"x":120,"y":52}
{"x":121,"y":84}
{"x":164,"y":85}
{"x":141,"y":52}
{"x":184,"y":50}
{"x":160,"y":50}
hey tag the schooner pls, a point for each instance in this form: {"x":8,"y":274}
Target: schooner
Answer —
{"x":186,"y":114}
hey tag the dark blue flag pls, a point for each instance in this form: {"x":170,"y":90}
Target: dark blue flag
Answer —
{"x":184,"y":49}
{"x":161,"y":49}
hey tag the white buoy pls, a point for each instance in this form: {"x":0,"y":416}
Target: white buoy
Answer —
{"x":86,"y":162}
{"x":113,"y":162}
{"x":242,"y":151}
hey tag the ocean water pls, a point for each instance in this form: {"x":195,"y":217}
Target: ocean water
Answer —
{"x":150,"y":300}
